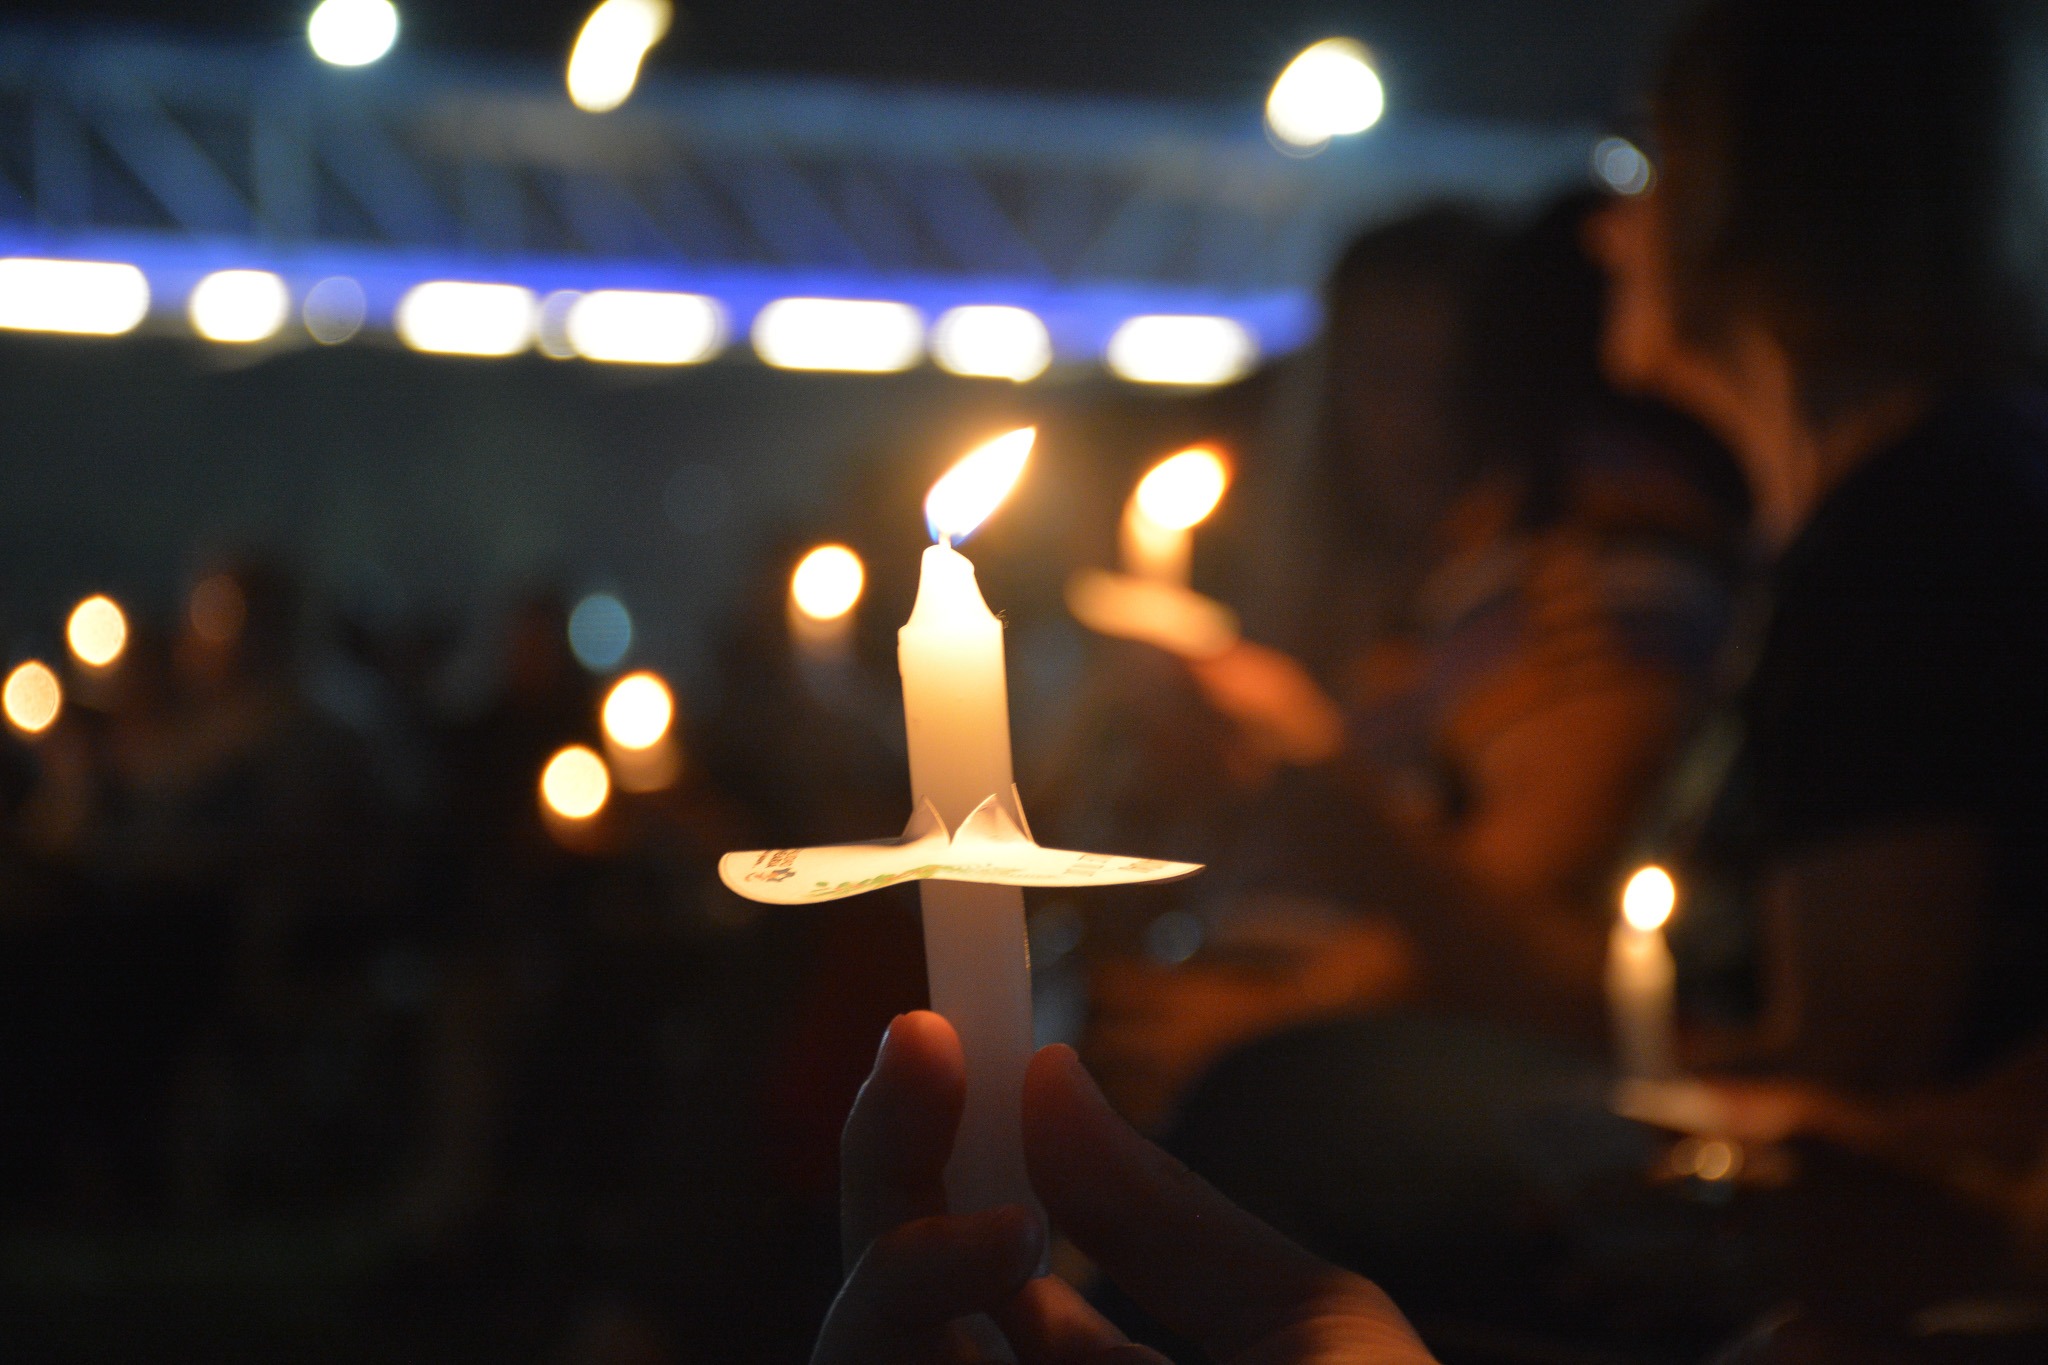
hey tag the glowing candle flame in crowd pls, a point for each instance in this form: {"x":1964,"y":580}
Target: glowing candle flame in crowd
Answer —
{"x":97,"y":631}
{"x":823,"y":592}
{"x":1177,"y":495}
{"x":967,"y":493}
{"x":827,"y":583}
{"x":1648,"y":899}
{"x":32,"y":697}
{"x":1642,"y":978}
{"x":638,"y":711}
{"x":575,"y":784}
{"x":604,"y":66}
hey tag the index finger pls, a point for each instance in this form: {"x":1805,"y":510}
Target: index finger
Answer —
{"x":893,"y":1151}
{"x":1188,"y":1256}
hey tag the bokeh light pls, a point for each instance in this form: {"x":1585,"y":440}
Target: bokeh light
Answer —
{"x":638,"y":711}
{"x":1648,"y":899}
{"x":458,"y":317}
{"x":239,"y":305}
{"x":600,"y":631}
{"x":334,"y":310}
{"x":32,"y":697}
{"x":1183,"y":489}
{"x":575,"y":784}
{"x":1621,"y":165}
{"x":84,"y":298}
{"x":1330,"y":90}
{"x":965,"y":495}
{"x":641,"y":327}
{"x":97,"y":631}
{"x":855,"y":336}
{"x":1191,"y":349}
{"x":827,"y":582}
{"x":605,"y":63}
{"x":352,"y":32}
{"x":992,"y":341}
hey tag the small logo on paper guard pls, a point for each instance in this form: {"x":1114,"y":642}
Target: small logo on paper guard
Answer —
{"x":775,"y":865}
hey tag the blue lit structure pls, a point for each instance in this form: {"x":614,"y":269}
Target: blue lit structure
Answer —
{"x":185,"y":157}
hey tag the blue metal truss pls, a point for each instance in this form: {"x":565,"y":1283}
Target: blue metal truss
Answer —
{"x":185,"y":157}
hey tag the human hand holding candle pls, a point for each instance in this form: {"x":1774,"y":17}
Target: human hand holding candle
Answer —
{"x":1192,"y":1260}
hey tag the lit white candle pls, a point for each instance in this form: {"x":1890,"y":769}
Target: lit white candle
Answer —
{"x":956,"y":713}
{"x":1641,"y":977}
{"x":1168,"y":503}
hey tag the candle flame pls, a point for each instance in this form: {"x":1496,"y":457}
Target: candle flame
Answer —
{"x":963,"y":498}
{"x":32,"y":697}
{"x":638,"y":711}
{"x":97,"y":631}
{"x":575,"y":784}
{"x":1647,"y":900}
{"x":827,"y":583}
{"x":1183,"y":489}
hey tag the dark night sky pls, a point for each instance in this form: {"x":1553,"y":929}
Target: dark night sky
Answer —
{"x":1525,"y":59}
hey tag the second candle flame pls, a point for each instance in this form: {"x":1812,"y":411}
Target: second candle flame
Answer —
{"x":967,"y":493}
{"x":1647,"y":900}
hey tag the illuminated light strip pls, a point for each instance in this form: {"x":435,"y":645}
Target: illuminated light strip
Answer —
{"x":853,"y":336}
{"x":1079,"y":317}
{"x":641,"y":327}
{"x":82,"y":298}
{"x":458,"y":317}
{"x":992,"y":341}
{"x":1190,"y":349}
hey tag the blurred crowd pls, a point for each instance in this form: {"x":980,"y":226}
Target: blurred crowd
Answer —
{"x":321,"y":1026}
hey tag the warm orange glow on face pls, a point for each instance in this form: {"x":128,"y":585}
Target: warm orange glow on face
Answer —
{"x":97,"y":631}
{"x":827,"y":583}
{"x":972,"y":489}
{"x":1647,"y":900}
{"x":575,"y":784}
{"x":1182,"y":490}
{"x":217,"y":609}
{"x":32,"y":697}
{"x":638,"y":710}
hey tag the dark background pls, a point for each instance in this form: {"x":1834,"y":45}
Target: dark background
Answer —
{"x":1551,"y":60}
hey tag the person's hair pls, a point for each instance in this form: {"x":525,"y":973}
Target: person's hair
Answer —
{"x":1865,"y":178}
{"x":1531,"y":397}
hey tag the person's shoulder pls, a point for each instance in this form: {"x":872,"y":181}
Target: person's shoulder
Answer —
{"x":1964,"y":495}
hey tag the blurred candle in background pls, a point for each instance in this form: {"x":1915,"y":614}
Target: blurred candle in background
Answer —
{"x":1641,"y":977}
{"x":824,"y":591}
{"x":1174,"y":497}
{"x":956,"y":713}
{"x":32,"y":697}
{"x":639,"y":733}
{"x":97,"y":632}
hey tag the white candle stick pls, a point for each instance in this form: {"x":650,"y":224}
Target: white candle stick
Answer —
{"x":956,"y":714}
{"x":1641,"y":977}
{"x":967,"y":842}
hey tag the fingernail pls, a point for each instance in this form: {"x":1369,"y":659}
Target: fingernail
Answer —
{"x":887,"y":1034}
{"x":1027,"y":1236}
